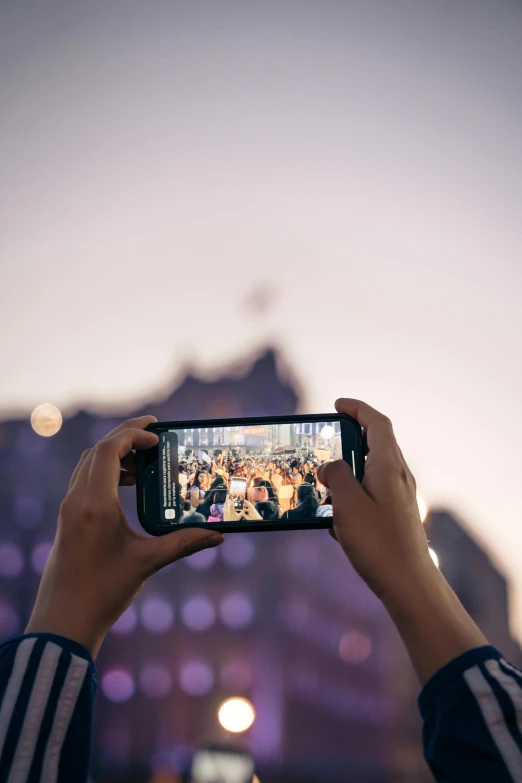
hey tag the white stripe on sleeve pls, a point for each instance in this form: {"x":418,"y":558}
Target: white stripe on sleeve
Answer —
{"x":511,"y":687}
{"x":34,"y":714}
{"x":506,"y":665}
{"x":64,"y":710}
{"x":495,"y":721}
{"x":21,"y":660}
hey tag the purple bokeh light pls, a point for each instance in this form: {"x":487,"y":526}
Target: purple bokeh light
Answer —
{"x":127,"y":622}
{"x":196,"y":678}
{"x":236,"y":610}
{"x":235,"y":675}
{"x":200,"y":561}
{"x":155,"y":681}
{"x":40,"y":555}
{"x":198,"y":614}
{"x":157,"y":615}
{"x":238,"y":551}
{"x":11,"y":560}
{"x":118,"y":685}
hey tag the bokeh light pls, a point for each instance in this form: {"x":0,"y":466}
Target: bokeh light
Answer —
{"x":40,"y":555}
{"x":434,"y":556}
{"x":46,"y":420}
{"x":236,"y":715}
{"x":127,"y":622}
{"x":155,"y":681}
{"x":118,"y":685}
{"x":196,"y":678}
{"x":423,"y":508}
{"x":236,"y":610}
{"x":355,"y":647}
{"x":198,"y":614}
{"x":157,"y":614}
{"x":238,"y":551}
{"x":11,"y":560}
{"x":202,"y":560}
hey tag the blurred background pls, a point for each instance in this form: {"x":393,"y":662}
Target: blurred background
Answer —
{"x":245,"y":208}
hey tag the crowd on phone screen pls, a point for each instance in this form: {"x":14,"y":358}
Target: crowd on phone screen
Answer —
{"x":276,"y":489}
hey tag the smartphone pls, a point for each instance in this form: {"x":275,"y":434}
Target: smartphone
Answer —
{"x":221,"y":765}
{"x":237,"y":491}
{"x":277,"y":442}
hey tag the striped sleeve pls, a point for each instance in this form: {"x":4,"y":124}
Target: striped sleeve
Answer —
{"x":472,"y":713}
{"x":47,"y":689}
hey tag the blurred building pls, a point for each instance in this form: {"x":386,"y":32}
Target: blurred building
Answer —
{"x":480,"y":586}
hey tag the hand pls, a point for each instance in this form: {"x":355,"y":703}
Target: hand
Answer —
{"x":229,"y":512}
{"x":378,"y":525}
{"x":98,"y":563}
{"x":250,"y":512}
{"x":377,"y":522}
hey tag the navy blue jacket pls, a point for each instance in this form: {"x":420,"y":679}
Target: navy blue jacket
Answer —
{"x":472,"y":712}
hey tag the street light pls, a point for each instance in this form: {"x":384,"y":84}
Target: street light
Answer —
{"x":46,"y":420}
{"x":236,"y":715}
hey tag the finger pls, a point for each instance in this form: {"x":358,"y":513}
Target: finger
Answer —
{"x":138,"y":422}
{"x":78,"y":467}
{"x":128,"y":463}
{"x":127,"y":479}
{"x":181,"y":543}
{"x":104,"y":471}
{"x":379,"y":431}
{"x":346,"y":490}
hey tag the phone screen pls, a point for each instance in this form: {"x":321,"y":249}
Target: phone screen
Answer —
{"x":247,"y":472}
{"x":221,"y":766}
{"x":237,"y":491}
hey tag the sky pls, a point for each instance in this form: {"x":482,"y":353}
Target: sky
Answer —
{"x":357,"y":164}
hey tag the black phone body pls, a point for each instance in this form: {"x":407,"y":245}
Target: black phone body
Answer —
{"x":248,"y":445}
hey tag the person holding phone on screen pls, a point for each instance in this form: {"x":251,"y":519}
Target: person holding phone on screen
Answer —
{"x":471,"y":698}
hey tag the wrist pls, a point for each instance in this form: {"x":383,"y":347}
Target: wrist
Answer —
{"x":432,"y":622}
{"x":62,"y":626}
{"x":410,"y":589}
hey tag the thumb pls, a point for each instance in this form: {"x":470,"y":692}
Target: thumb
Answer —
{"x":181,"y":543}
{"x":346,"y":490}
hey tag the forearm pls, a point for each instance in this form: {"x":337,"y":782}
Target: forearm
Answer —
{"x":432,"y":622}
{"x":47,"y":684}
